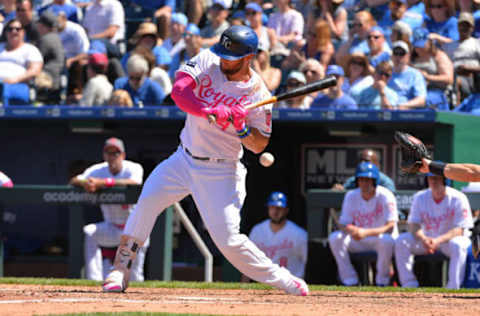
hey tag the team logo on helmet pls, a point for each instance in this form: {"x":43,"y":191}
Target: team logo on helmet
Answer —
{"x":226,"y":42}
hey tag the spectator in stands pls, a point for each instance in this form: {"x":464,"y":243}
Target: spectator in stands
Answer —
{"x":378,"y":52}
{"x":121,"y":98}
{"x":357,"y":39}
{"x":465,"y":55}
{"x":5,"y":181}
{"x":272,"y":76}
{"x":379,"y":96}
{"x":98,"y":90}
{"x":175,"y":42}
{"x":57,"y":6}
{"x":439,"y":220}
{"x":7,"y":12}
{"x":141,"y":88}
{"x":295,"y":80}
{"x":25,"y":15}
{"x":407,"y":81}
{"x":398,"y":11}
{"x":368,"y":221}
{"x":101,"y":237}
{"x":287,"y":23}
{"x":334,"y":98}
{"x":436,"y":68}
{"x":471,"y":104}
{"x":370,"y":155}
{"x":146,"y":36}
{"x":20,"y":63}
{"x":357,"y":75}
{"x":441,"y":21}
{"x":193,"y":45}
{"x":105,"y":19}
{"x":401,"y":31}
{"x":160,"y":10}
{"x":266,"y":36}
{"x":334,"y":14}
{"x":317,"y":45}
{"x":217,"y":22}
{"x":74,"y":40}
{"x":313,"y":71}
{"x":51,"y":48}
{"x":284,"y":242}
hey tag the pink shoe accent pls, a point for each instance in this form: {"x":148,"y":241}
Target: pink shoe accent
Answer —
{"x":301,"y":289}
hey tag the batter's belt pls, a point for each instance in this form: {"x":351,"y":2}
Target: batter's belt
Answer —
{"x":205,"y":158}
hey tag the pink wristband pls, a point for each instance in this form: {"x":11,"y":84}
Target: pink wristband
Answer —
{"x":8,"y":184}
{"x":109,"y":182}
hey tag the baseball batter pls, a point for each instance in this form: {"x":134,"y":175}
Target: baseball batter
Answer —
{"x":439,"y":220}
{"x":206,"y":165}
{"x":368,"y":222}
{"x":280,"y":239}
{"x":114,"y":171}
{"x":5,"y":181}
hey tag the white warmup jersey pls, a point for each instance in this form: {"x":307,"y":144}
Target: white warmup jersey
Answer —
{"x":288,"y":247}
{"x":437,"y":218}
{"x":4,"y":180}
{"x":373,"y":213}
{"x":115,"y":213}
{"x":213,"y":88}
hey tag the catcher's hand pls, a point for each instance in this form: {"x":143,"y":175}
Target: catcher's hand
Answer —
{"x":413,"y":151}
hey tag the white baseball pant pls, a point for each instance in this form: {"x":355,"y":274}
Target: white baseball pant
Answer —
{"x":406,"y":246}
{"x":341,"y":244}
{"x":218,"y":189}
{"x":105,"y":234}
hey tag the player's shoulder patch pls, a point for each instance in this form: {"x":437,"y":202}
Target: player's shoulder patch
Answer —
{"x":191,"y":63}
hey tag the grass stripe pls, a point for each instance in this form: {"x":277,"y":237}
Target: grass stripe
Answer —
{"x":225,"y":286}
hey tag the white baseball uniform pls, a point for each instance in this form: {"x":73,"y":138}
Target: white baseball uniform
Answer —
{"x":287,"y":247}
{"x":436,"y":218}
{"x":5,"y":181}
{"x":108,"y":232}
{"x":217,"y":185}
{"x":376,"y":212}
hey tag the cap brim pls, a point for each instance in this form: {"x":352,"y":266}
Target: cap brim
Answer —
{"x":221,"y":52}
{"x":420,"y":43}
{"x":276,"y":203}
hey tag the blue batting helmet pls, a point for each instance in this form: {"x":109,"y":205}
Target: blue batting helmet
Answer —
{"x":277,"y":199}
{"x":236,"y":42}
{"x":366,"y":169}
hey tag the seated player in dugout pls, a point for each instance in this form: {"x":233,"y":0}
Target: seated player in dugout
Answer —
{"x":368,"y":222}
{"x":284,"y":242}
{"x":102,"y":238}
{"x":368,"y":155}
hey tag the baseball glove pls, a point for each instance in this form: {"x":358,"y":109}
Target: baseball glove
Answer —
{"x":413,"y":150}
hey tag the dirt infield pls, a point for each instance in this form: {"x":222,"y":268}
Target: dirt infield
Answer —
{"x":37,"y":299}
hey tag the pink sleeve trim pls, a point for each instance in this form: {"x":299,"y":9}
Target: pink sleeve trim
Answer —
{"x":8,"y":184}
{"x":182,"y":94}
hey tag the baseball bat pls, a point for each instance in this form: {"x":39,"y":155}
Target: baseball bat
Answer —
{"x":306,"y":89}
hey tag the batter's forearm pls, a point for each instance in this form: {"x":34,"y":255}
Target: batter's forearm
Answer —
{"x":255,"y":142}
{"x":464,"y":172}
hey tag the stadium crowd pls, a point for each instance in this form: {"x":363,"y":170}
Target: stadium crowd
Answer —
{"x":400,"y":54}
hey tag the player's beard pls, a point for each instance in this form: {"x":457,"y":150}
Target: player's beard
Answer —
{"x":279,"y":220}
{"x":230,"y":72}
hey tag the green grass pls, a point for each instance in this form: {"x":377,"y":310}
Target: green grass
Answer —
{"x":220,"y":285}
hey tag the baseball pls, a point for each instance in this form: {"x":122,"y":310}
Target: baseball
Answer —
{"x":266,"y":159}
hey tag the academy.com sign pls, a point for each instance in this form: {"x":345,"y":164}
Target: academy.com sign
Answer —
{"x":84,"y":197}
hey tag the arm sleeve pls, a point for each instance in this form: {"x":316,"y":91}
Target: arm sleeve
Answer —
{"x":346,"y":216}
{"x":182,"y":94}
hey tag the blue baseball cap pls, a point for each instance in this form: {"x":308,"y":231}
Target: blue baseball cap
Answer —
{"x":420,"y":37}
{"x":192,"y":29}
{"x":335,"y":70}
{"x":376,"y":28}
{"x":97,"y":46}
{"x":277,"y":199}
{"x":179,"y":18}
{"x":254,"y":7}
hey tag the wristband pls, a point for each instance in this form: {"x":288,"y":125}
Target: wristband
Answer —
{"x":244,"y":132}
{"x":109,"y":182}
{"x":437,"y":167}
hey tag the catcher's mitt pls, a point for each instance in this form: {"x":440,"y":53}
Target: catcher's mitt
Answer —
{"x":413,"y":150}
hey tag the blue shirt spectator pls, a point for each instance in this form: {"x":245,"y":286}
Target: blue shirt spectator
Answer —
{"x":142,"y":90}
{"x":379,"y":95}
{"x":398,"y":12}
{"x":408,"y":82}
{"x":335,"y":99}
{"x":441,"y":21}
{"x":153,"y":5}
{"x":193,"y":43}
{"x":470,"y":105}
{"x":58,"y":6}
